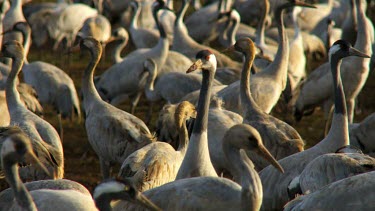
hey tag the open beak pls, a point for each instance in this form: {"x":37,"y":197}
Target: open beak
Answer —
{"x":142,"y":199}
{"x":267,"y":155}
{"x":303,"y":4}
{"x":197,"y":65}
{"x":355,"y":52}
{"x":31,"y":157}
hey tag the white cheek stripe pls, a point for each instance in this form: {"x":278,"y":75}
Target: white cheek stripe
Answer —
{"x":7,"y":147}
{"x":212,"y":60}
{"x":108,"y":187}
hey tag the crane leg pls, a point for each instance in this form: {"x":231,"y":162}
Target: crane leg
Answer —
{"x":61,"y":129}
{"x":149,"y":113}
{"x":135,"y":101}
{"x":104,"y":168}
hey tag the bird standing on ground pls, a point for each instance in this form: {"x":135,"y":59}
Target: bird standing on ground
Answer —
{"x":113,"y":133}
{"x":45,"y":139}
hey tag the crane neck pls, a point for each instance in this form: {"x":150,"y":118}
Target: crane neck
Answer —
{"x":201,"y":121}
{"x":259,"y":37}
{"x":339,"y":124}
{"x":150,"y":92}
{"x":16,"y":5}
{"x":120,"y":45}
{"x":197,"y":161}
{"x":12,"y":95}
{"x":181,"y":14}
{"x":353,"y":15}
{"x":279,"y":66}
{"x":183,"y":136}
{"x":134,"y":21}
{"x":244,"y":173}
{"x":21,"y":194}
{"x":160,"y":26}
{"x":329,"y":36}
{"x":249,"y":106}
{"x":297,"y":31}
{"x":88,"y":88}
{"x":340,"y":103}
{"x":26,"y":35}
{"x":364,"y":37}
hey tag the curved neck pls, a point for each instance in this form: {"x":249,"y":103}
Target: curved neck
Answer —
{"x":12,"y":95}
{"x":183,"y":136}
{"x":259,"y":38}
{"x":233,"y":30}
{"x":120,"y":45}
{"x":150,"y":92}
{"x":88,"y":88}
{"x":280,"y":63}
{"x":21,"y":194}
{"x":160,"y":26}
{"x":247,"y":101}
{"x":26,"y":41}
{"x":181,"y":13}
{"x":134,"y":22}
{"x":241,"y":168}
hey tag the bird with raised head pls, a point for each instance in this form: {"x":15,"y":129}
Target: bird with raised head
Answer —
{"x":275,"y":185}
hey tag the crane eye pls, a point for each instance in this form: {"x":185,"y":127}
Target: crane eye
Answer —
{"x":126,"y":188}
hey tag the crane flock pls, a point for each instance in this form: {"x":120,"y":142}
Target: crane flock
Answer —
{"x":236,"y":116}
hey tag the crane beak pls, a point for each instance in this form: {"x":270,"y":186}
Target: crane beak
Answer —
{"x":6,"y":32}
{"x":32,"y":158}
{"x":197,"y":65}
{"x":111,"y":39}
{"x":355,"y":52}
{"x":303,"y":4}
{"x":229,"y":49}
{"x":267,"y":155}
{"x":142,"y":199}
{"x":73,"y":49}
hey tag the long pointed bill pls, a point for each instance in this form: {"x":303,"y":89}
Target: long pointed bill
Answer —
{"x":33,"y":159}
{"x":229,"y":49}
{"x":195,"y":66}
{"x":303,"y":4}
{"x":7,"y":31}
{"x":140,"y":198}
{"x":355,"y":52}
{"x":73,"y":49}
{"x":267,"y":155}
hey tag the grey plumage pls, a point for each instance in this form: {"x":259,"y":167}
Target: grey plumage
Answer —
{"x":113,"y":133}
{"x":275,"y":184}
{"x":45,"y":140}
{"x":55,"y":196}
